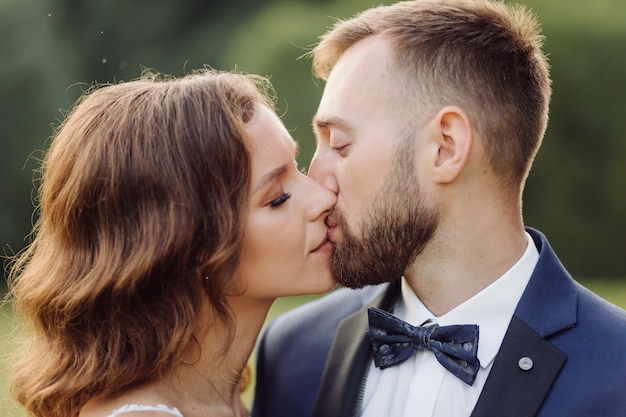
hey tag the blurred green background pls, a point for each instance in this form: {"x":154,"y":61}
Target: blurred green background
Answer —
{"x":51,"y":50}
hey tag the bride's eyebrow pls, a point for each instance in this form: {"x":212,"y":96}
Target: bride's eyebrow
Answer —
{"x":267,"y":178}
{"x":276,"y":172}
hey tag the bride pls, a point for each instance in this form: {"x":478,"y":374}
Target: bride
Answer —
{"x":171,"y":215}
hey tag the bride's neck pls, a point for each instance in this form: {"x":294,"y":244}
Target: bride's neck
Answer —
{"x":223,"y":349}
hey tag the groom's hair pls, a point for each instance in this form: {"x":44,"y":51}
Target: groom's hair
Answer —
{"x":485,"y":57}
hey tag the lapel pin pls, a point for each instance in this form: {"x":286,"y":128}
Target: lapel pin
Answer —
{"x":525,"y":364}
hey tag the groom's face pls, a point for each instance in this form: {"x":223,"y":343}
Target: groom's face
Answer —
{"x":394,"y":229}
{"x":365,"y":154}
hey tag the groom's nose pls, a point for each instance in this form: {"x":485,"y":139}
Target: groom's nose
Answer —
{"x":321,"y":170}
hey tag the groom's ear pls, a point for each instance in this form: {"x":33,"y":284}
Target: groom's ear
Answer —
{"x":454,"y":140}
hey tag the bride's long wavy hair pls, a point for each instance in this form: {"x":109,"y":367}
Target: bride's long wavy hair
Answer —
{"x":141,"y":205}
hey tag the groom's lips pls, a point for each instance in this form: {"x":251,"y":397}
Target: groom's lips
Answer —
{"x":332,"y":226}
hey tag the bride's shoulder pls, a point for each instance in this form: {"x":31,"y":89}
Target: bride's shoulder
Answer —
{"x":133,"y":406}
{"x":143,"y":401}
{"x":142,"y":410}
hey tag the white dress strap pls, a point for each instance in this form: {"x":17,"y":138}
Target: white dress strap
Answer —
{"x":129,"y":408}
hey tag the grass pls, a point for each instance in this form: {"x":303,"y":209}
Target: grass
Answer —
{"x":612,"y":290}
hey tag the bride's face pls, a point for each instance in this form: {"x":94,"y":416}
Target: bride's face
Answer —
{"x":286,"y":250}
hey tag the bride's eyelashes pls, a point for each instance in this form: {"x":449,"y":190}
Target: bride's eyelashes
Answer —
{"x":280,"y":200}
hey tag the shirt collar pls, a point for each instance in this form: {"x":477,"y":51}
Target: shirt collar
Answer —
{"x":491,"y":309}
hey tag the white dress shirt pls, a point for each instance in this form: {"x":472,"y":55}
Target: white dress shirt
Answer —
{"x":420,"y":386}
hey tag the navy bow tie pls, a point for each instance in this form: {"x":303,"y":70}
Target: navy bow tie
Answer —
{"x":395,"y":341}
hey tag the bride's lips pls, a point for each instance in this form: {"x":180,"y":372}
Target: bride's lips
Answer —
{"x":325,"y":246}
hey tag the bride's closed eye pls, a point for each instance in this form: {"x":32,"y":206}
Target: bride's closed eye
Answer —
{"x":280,"y":200}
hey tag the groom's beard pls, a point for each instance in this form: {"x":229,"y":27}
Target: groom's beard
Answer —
{"x":395,"y":229}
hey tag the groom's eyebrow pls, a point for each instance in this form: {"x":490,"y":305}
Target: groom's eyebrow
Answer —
{"x":321,"y":122}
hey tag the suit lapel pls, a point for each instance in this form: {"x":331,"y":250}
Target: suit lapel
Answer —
{"x":548,"y":306}
{"x":348,"y":359}
{"x":517,"y":388}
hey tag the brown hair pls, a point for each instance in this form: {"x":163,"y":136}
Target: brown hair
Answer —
{"x":142,"y":197}
{"x":481,"y":55}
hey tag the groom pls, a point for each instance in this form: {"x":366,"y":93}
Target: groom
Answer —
{"x":430,"y":119}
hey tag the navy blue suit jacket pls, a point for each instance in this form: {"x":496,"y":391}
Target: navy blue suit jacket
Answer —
{"x":312,"y":360}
